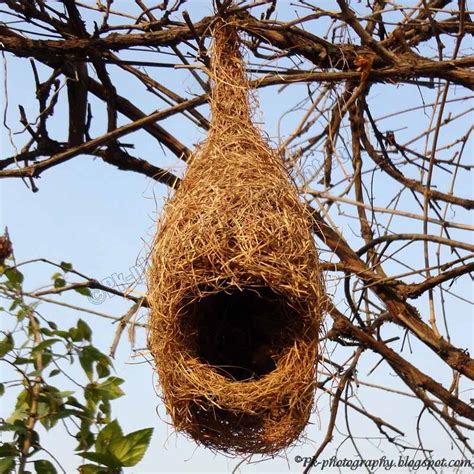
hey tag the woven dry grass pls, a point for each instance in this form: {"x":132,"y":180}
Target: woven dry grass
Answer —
{"x":234,"y":287}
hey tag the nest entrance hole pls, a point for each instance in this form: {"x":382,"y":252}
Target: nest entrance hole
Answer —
{"x":242,"y":333}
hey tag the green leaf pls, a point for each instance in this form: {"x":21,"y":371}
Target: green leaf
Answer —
{"x":51,"y":406}
{"x":6,"y":345}
{"x":14,"y":304}
{"x":7,"y":450}
{"x":107,"y":459}
{"x":7,"y":465}
{"x":43,"y":466}
{"x":110,"y":388}
{"x":131,"y":448}
{"x":23,"y":361}
{"x":107,"y":390}
{"x":104,"y":407}
{"x":14,"y":276}
{"x":84,"y":331}
{"x":54,"y":372}
{"x":43,"y":345}
{"x":83,"y":291}
{"x":107,"y":435}
{"x":59,"y":282}
{"x":93,"y":469}
{"x":18,"y":414}
{"x":65,"y":393}
{"x":90,"y":354}
{"x":2,"y":389}
{"x":66,"y":267}
{"x":86,"y":359}
{"x":47,"y":357}
{"x":18,"y":427}
{"x":74,"y":403}
{"x":102,"y":370}
{"x":22,"y":407}
{"x":81,"y":332}
{"x":64,"y":334}
{"x":84,"y":436}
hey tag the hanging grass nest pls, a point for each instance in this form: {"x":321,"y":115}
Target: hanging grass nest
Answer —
{"x":235,"y":289}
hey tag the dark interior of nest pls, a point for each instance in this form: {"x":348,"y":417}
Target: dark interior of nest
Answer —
{"x":241,"y":333}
